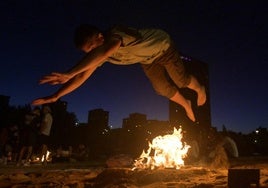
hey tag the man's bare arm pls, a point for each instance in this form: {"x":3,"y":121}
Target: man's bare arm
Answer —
{"x":95,"y":57}
{"x":92,"y":60}
{"x":68,"y":87}
{"x":74,"y":83}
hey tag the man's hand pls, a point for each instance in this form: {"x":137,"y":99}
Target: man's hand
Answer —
{"x":44,"y":100}
{"x":55,"y":78}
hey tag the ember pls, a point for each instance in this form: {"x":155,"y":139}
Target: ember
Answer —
{"x":166,"y":151}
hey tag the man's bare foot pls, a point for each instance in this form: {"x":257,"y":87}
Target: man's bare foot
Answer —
{"x":201,"y":96}
{"x":189,"y":111}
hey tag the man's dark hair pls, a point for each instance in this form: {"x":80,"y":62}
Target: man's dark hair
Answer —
{"x":83,"y":32}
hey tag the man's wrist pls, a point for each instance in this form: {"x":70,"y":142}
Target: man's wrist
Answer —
{"x":55,"y":96}
{"x":70,"y":74}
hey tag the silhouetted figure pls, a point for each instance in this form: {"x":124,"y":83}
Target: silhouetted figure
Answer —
{"x":3,"y":143}
{"x":28,"y":138}
{"x":44,"y":131}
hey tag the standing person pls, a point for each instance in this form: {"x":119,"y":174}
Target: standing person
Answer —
{"x":3,"y":144}
{"x":152,"y":48}
{"x":45,"y":129}
{"x":28,"y":136}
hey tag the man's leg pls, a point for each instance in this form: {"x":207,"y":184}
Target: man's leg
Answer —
{"x":186,"y":104}
{"x":181,"y":78}
{"x":199,"y":89}
{"x":21,"y":154}
{"x":44,"y":153}
{"x":29,"y":153}
{"x":157,"y":75}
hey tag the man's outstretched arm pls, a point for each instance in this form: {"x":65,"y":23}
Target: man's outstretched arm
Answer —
{"x":92,"y":60}
{"x":68,"y":87}
{"x":95,"y":57}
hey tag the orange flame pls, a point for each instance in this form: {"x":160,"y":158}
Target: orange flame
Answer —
{"x":169,"y":152}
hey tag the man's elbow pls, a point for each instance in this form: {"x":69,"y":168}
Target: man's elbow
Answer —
{"x":84,"y":75}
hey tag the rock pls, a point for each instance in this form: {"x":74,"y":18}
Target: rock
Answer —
{"x":220,"y":159}
{"x":119,"y":161}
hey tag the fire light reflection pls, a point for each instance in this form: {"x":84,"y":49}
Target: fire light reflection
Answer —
{"x":47,"y":157}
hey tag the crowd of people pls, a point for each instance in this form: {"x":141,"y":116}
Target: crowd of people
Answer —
{"x":31,"y":140}
{"x":19,"y":143}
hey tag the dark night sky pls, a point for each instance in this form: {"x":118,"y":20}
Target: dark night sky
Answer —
{"x":36,"y":39}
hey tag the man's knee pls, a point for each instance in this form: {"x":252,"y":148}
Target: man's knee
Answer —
{"x":167,"y":91}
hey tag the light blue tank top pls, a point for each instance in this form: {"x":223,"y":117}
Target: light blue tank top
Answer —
{"x":139,"y":46}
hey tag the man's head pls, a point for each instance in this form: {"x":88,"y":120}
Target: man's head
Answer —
{"x":36,"y":111}
{"x":46,"y":109}
{"x":87,"y":37}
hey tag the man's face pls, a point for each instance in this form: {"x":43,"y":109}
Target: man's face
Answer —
{"x":94,"y":42}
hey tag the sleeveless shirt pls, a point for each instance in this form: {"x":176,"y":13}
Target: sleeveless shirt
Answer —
{"x":139,"y":45}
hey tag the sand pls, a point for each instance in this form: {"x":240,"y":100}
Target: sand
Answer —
{"x":87,"y":175}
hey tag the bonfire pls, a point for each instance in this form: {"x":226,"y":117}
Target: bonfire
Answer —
{"x":166,"y":151}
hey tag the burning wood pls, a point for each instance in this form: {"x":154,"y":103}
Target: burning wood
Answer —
{"x":166,"y":151}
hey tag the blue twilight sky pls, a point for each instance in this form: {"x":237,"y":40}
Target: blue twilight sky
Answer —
{"x":232,"y":37}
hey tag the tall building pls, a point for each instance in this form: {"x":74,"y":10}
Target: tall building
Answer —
{"x":98,"y":119}
{"x":177,"y":114}
{"x":134,"y":120}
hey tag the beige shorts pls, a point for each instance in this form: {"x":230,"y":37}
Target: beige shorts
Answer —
{"x":167,"y":73}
